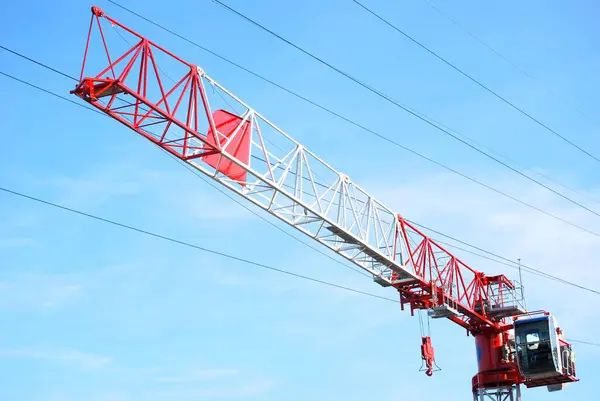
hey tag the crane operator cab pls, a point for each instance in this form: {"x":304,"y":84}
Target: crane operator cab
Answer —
{"x":543,"y":356}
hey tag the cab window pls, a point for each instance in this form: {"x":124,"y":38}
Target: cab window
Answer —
{"x":533,"y":340}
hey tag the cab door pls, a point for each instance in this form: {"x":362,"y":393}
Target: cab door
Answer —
{"x":537,"y":354}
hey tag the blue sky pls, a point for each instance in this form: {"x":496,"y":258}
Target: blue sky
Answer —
{"x":91,"y":312}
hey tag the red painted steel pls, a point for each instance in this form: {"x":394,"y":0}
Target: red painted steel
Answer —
{"x":447,"y":279}
{"x":490,"y":355}
{"x":175,"y":110}
{"x":427,"y":355}
{"x":496,"y":366}
{"x":179,"y":110}
{"x":187,"y":129}
{"x":236,"y":144}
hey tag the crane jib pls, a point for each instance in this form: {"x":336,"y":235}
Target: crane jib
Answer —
{"x":178,"y":107}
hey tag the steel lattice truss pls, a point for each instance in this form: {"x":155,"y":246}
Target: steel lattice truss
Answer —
{"x":193,"y":117}
{"x":507,"y":393}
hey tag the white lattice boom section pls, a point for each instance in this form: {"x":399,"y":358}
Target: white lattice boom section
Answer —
{"x":193,"y":117}
{"x":292,"y":183}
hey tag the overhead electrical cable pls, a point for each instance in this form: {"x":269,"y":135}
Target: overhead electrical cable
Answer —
{"x":348,"y":120}
{"x":466,"y":313}
{"x":419,"y":115}
{"x":190,"y":245}
{"x":36,"y":62}
{"x":212,"y":251}
{"x":335,"y":114}
{"x":50,"y":93}
{"x":185,"y":165}
{"x":329,"y":111}
{"x":476,"y":81}
{"x":504,"y":261}
{"x":508,"y":61}
{"x":526,"y":268}
{"x":216,"y":187}
{"x":205,"y":249}
{"x":195,"y":173}
{"x":16,"y":193}
{"x":583,"y":342}
{"x":508,"y":159}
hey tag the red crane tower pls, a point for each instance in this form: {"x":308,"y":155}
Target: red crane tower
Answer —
{"x":194,"y":118}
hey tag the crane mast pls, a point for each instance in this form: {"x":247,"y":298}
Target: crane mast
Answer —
{"x":194,"y":118}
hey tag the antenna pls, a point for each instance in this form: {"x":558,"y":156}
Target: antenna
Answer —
{"x":522,"y":286}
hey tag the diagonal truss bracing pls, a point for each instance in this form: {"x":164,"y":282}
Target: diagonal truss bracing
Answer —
{"x":193,"y":117}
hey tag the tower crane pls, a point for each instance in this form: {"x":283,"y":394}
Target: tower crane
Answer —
{"x":191,"y":116}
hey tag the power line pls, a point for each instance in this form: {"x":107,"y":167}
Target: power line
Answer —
{"x":203,"y":248}
{"x":511,"y":264}
{"x":197,"y":174}
{"x":49,"y":92}
{"x":419,"y":115}
{"x":36,"y":62}
{"x":508,"y":61}
{"x":468,"y":244}
{"x":348,"y":120}
{"x":529,"y":269}
{"x":477,"y":82}
{"x":287,"y":90}
{"x":269,"y":222}
{"x":190,"y":245}
{"x":424,"y":118}
{"x":247,"y":261}
{"x":504,"y":261}
{"x":211,"y":251}
{"x":184,"y":164}
{"x":241,"y":259}
{"x":583,"y":342}
{"x":329,"y":111}
{"x":515,"y":163}
{"x":210,"y":183}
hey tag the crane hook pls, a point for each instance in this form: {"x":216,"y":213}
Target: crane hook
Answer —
{"x":427,"y":355}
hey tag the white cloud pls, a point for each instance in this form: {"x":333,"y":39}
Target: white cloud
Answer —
{"x":200,"y":201}
{"x":98,"y":185}
{"x":92,"y":396}
{"x":252,"y":388}
{"x":16,"y":242}
{"x":167,"y":185}
{"x":70,"y":356}
{"x":198,"y":375}
{"x":32,"y":290}
{"x":213,"y":383}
